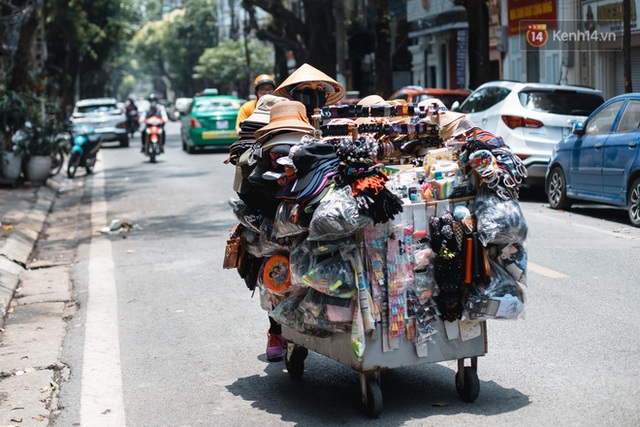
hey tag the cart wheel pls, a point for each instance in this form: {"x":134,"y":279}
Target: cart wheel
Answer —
{"x":468,"y":384}
{"x":373,"y":406}
{"x":294,"y":360}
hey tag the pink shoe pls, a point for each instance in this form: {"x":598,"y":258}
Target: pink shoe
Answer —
{"x":276,"y":346}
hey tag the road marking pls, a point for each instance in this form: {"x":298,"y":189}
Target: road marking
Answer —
{"x":101,"y":401}
{"x":544,"y":271}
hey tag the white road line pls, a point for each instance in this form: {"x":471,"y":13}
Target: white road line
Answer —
{"x":101,"y":397}
{"x":544,"y":271}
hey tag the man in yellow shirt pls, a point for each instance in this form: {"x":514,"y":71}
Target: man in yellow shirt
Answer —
{"x":263,"y":84}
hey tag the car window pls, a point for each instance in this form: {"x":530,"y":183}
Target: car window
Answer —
{"x":560,"y":102}
{"x":602,"y":122}
{"x":215,"y":104}
{"x":483,"y":98}
{"x":98,"y":109}
{"x":630,"y":119}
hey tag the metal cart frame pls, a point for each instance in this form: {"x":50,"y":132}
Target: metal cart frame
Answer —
{"x":338,"y":347}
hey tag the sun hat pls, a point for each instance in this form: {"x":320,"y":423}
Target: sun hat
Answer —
{"x":446,"y":119}
{"x":368,"y":101}
{"x":307,"y":73}
{"x":263,"y":107}
{"x":285,"y":116}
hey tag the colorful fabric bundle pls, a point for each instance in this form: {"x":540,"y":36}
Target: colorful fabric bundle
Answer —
{"x":374,"y":199}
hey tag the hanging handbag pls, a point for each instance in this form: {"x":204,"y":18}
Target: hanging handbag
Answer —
{"x":234,"y":251}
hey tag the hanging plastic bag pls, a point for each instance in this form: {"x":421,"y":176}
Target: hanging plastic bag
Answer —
{"x":337,"y":216}
{"x":289,"y":220}
{"x":500,"y":299}
{"x":499,"y":221}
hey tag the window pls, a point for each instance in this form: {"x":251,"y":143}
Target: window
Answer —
{"x":630,"y":119}
{"x":484,"y":98}
{"x":602,"y":122}
{"x":560,"y":102}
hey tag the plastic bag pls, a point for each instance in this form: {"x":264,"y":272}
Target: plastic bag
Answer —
{"x":251,"y":218}
{"x":499,"y":221}
{"x":337,"y":216}
{"x":333,"y":276}
{"x":290,"y":220}
{"x":501,"y":299}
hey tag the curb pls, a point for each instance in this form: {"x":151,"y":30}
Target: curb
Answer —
{"x":14,"y":253}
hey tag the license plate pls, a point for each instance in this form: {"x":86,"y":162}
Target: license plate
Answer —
{"x":218,"y":134}
{"x":222,"y":124}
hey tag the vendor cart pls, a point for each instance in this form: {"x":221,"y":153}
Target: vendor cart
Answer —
{"x":338,"y":347}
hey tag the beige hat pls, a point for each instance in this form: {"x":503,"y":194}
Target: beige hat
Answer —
{"x":263,"y":107}
{"x":446,"y":120}
{"x":370,"y":100}
{"x":307,"y":73}
{"x":285,"y":116}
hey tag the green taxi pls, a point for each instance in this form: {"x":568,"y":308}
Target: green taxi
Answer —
{"x":210,"y":121}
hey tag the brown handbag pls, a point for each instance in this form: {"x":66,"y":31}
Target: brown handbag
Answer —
{"x":234,"y":251}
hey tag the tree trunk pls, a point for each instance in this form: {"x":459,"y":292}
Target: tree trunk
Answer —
{"x":22,"y":59}
{"x":479,"y":63}
{"x":382,"y":37}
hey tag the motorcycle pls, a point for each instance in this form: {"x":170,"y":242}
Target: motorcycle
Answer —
{"x":84,"y":151}
{"x":153,"y":134}
{"x":132,"y":122}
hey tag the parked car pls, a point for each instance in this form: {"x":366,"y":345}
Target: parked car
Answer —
{"x":530,"y":117}
{"x":600,"y":160}
{"x":416,"y":94}
{"x":210,"y":121}
{"x":104,"y":116}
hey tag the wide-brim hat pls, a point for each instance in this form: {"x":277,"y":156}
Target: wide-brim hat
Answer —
{"x":368,"y":101}
{"x":285,"y":116}
{"x":262,"y":111}
{"x":307,"y":73}
{"x":446,"y":119}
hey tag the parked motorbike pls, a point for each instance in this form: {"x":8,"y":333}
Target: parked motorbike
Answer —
{"x":132,"y":122}
{"x":84,"y":151}
{"x":153,"y":134}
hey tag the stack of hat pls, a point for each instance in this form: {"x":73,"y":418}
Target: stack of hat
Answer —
{"x":241,"y":153}
{"x":258,"y":119}
{"x":287,"y":126}
{"x":315,"y":164}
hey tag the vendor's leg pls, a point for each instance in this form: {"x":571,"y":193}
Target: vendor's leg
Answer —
{"x":276,"y":345}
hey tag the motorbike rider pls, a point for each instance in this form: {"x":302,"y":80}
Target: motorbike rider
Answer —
{"x":155,"y":110}
{"x":132,"y":119}
{"x":262,"y":85}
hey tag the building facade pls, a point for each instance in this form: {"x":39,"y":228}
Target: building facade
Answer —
{"x":573,"y":42}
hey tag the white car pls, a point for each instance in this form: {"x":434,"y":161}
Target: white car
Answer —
{"x":530,"y":117}
{"x":104,"y":116}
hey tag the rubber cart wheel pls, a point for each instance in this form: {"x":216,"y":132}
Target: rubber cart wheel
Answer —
{"x":373,"y":406}
{"x":468,"y":384}
{"x":294,"y":360}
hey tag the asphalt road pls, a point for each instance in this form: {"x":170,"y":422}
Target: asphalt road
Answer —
{"x":165,"y":337}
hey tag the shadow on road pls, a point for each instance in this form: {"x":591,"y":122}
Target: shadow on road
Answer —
{"x":330,"y":392}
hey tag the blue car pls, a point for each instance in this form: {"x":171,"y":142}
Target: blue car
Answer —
{"x":600,"y":160}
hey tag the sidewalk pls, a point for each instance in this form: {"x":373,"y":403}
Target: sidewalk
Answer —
{"x":35,"y":296}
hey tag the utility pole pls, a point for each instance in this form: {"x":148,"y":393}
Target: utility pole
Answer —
{"x":626,"y":45}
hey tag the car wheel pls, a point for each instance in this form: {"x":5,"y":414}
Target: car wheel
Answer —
{"x":191,"y":149}
{"x":633,"y":205}
{"x":557,"y":189}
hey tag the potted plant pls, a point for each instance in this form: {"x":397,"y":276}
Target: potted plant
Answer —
{"x":36,"y":141}
{"x":13,"y":110}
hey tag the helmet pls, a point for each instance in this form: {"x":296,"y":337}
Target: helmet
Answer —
{"x":153,"y":97}
{"x":262,"y":79}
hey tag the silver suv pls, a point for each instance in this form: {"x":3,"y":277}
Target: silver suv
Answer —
{"x":530,"y":117}
{"x":104,"y":116}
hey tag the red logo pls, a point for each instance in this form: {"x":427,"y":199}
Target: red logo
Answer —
{"x":537,"y":35}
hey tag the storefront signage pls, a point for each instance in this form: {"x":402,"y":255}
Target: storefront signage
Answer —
{"x":529,"y":10}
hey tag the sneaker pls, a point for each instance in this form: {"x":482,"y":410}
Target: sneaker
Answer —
{"x":275,"y":347}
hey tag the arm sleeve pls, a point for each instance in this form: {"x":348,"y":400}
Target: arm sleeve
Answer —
{"x":245,"y":111}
